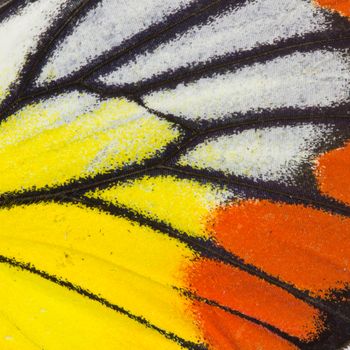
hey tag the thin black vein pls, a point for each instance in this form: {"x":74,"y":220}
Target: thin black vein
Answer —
{"x":227,"y":63}
{"x":86,"y":293}
{"x":208,"y":248}
{"x":28,"y":78}
{"x":233,"y":181}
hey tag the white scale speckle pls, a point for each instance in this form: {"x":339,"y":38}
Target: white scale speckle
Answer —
{"x":101,"y":30}
{"x":317,"y":78}
{"x":274,"y":154}
{"x":239,"y":28}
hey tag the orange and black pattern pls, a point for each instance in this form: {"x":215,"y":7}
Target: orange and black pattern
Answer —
{"x":175,"y":174}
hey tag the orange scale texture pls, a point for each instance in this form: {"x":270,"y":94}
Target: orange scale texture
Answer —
{"x":224,"y":331}
{"x":303,"y":246}
{"x":341,"y":6}
{"x":333,"y":173}
{"x":255,"y":297}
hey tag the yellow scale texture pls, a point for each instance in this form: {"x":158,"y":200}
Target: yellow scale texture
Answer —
{"x":116,"y":134}
{"x":184,"y":204}
{"x":110,"y":256}
{"x":38,"y":314}
{"x":71,"y":137}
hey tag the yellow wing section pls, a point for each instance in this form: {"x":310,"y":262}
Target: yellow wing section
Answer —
{"x":110,"y":256}
{"x":40,"y":147}
{"x":184,"y":204}
{"x":40,"y":314}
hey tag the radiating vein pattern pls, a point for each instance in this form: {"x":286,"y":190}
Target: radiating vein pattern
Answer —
{"x":174,"y":175}
{"x":271,"y":154}
{"x":169,"y":199}
{"x":54,"y":143}
{"x":51,"y":316}
{"x":101,"y":30}
{"x":20,"y":33}
{"x":313,"y":79}
{"x":238,"y":28}
{"x":101,"y":253}
{"x":300,"y":239}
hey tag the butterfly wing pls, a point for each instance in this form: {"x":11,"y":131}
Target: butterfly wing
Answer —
{"x":174,"y":175}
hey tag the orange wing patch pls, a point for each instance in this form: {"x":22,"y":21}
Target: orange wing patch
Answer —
{"x":333,"y":173}
{"x":341,"y":6}
{"x":225,"y":331}
{"x":302,"y":246}
{"x":255,"y":297}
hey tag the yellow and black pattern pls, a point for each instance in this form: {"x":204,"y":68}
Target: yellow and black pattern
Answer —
{"x":174,"y":174}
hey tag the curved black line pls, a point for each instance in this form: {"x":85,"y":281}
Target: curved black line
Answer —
{"x":167,"y":117}
{"x":209,"y":249}
{"x":21,"y":101}
{"x":35,"y":62}
{"x":228,"y":63}
{"x":238,"y":126}
{"x":258,"y":116}
{"x":86,"y":293}
{"x":208,"y":254}
{"x":139,"y":39}
{"x":247,"y":119}
{"x":117,"y":54}
{"x":44,"y":91}
{"x":304,"y":179}
{"x":164,"y":163}
{"x":239,"y":314}
{"x":25,"y":82}
{"x":33,"y":196}
{"x":34,"y":66}
{"x":326,"y":203}
{"x":17,"y":88}
{"x":336,"y":335}
{"x":278,"y":115}
{"x":187,"y":344}
{"x":337,"y":27}
{"x":83,"y":186}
